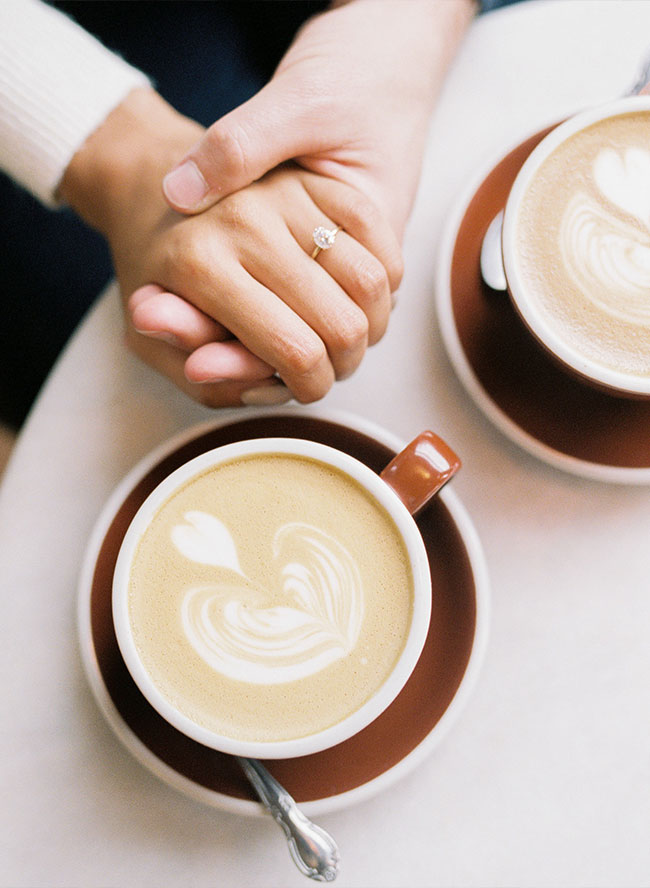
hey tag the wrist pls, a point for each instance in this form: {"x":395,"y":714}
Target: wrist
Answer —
{"x":422,"y":35}
{"x":125,"y":158}
{"x":436,"y":33}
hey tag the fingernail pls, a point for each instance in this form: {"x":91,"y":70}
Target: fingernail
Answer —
{"x":185,"y":187}
{"x":158,"y":334}
{"x":266,"y":396}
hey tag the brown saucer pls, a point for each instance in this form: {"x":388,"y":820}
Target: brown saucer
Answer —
{"x":550,"y":413}
{"x":452,"y":642}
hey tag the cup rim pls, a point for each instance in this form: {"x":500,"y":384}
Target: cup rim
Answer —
{"x":605,"y":377}
{"x":381,"y":698}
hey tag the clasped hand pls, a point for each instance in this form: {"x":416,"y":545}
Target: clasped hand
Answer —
{"x":240,"y":303}
{"x":229,"y":302}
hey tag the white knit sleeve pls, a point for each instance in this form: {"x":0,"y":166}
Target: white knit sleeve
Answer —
{"x":57,"y":84}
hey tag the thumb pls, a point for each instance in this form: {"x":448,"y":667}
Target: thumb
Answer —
{"x":270,"y":128}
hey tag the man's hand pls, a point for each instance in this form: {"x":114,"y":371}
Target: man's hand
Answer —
{"x":350,"y":100}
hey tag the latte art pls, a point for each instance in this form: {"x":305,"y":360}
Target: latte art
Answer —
{"x":583,"y":243}
{"x":623,"y":178}
{"x":608,"y":259}
{"x":231,"y":629}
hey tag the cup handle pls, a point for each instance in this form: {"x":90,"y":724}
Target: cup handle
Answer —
{"x":419,"y":471}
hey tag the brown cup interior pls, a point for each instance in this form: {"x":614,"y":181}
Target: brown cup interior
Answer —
{"x":392,"y":736}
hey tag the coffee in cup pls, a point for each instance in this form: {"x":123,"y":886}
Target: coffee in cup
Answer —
{"x":576,"y":245}
{"x":271,"y":597}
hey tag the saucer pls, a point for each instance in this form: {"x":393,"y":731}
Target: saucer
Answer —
{"x":388,"y":748}
{"x":520,"y":388}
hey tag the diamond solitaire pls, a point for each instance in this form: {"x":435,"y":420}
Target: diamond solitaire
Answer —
{"x":324,"y":239}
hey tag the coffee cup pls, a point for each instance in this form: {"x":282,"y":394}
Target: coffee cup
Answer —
{"x":576,"y":245}
{"x":272,"y":597}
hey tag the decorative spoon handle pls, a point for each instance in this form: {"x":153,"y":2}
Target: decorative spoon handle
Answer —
{"x":313,"y":850}
{"x":642,"y":78}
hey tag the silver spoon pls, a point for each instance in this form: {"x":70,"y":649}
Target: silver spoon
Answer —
{"x":491,"y":257}
{"x":313,"y":850}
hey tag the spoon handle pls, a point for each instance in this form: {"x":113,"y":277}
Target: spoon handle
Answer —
{"x":642,"y":78}
{"x":313,"y":850}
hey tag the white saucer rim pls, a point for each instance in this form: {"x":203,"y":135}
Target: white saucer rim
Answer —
{"x":592,"y":471}
{"x":228,"y":803}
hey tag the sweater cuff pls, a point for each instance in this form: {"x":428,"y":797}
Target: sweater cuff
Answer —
{"x":57,"y":85}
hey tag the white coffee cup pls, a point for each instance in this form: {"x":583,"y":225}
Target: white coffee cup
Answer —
{"x":576,"y":245}
{"x":412,"y":477}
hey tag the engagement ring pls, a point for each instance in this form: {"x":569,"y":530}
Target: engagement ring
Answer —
{"x":324,"y":238}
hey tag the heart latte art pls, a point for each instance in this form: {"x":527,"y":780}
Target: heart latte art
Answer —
{"x":583,"y":242}
{"x":606,"y":245}
{"x":270,"y":597}
{"x":229,"y":625}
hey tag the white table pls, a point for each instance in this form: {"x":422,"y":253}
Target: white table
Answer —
{"x":545,"y":779}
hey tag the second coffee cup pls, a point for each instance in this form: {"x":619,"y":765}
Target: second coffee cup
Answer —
{"x":272,"y":597}
{"x":576,"y":245}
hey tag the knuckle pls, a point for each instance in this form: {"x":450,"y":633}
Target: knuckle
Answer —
{"x":370,"y":281}
{"x":227,"y":149}
{"x":306,"y":369}
{"x":303,"y":359}
{"x":351,"y":332}
{"x":366,"y":223}
{"x":239,"y":211}
{"x":178,"y":251}
{"x":186,"y":262}
{"x":361,"y":214}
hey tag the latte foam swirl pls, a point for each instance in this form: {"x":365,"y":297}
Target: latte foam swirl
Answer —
{"x":230,"y":623}
{"x":608,"y":260}
{"x":605,"y":246}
